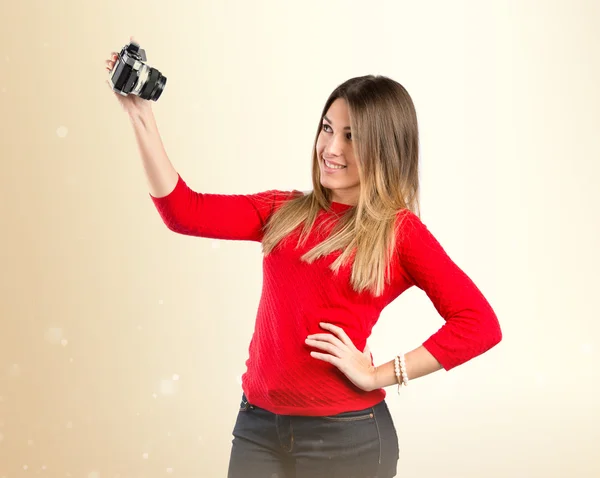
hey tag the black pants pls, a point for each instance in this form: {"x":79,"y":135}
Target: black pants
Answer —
{"x":361,"y":444}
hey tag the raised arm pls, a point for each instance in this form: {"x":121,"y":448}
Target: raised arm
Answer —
{"x":218,"y":216}
{"x":185,"y":211}
{"x":160,"y":173}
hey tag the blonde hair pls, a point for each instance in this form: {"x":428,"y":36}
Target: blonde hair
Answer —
{"x":385,"y":136}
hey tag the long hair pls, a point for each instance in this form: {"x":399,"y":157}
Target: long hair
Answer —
{"x":385,"y":140}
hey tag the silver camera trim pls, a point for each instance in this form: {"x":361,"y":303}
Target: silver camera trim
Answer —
{"x":143,"y":73}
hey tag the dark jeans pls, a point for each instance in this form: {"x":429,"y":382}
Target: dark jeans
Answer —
{"x":361,"y":444}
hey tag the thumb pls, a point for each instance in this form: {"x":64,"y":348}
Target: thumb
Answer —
{"x":367,"y":351}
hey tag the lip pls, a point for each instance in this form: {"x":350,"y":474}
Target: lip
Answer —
{"x":329,"y":170}
{"x":332,"y":162}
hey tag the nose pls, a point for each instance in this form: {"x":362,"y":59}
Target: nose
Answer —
{"x":335,"y":145}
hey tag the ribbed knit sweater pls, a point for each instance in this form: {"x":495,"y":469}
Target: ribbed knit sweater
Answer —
{"x":281,"y":375}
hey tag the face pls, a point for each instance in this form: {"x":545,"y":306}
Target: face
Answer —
{"x":337,"y":164}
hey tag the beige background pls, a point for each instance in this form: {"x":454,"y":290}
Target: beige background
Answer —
{"x":122,"y":343}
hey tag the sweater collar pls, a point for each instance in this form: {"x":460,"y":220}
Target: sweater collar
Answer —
{"x":340,"y":207}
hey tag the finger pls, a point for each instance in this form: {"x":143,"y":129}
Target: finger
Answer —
{"x":326,"y":358}
{"x":332,"y":339}
{"x":325,"y":346}
{"x":339,"y":332}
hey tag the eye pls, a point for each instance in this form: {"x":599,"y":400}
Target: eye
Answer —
{"x":324,"y":127}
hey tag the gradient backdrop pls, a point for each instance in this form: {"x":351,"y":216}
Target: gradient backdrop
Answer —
{"x":122,"y":344}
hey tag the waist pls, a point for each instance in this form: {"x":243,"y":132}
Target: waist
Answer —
{"x":306,"y":389}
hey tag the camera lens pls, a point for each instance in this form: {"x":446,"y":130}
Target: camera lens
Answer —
{"x":154,"y":85}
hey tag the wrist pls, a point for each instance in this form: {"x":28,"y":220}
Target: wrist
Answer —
{"x":141,"y":112}
{"x":384,"y":375}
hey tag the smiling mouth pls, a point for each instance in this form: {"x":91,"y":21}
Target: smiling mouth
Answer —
{"x":332,"y":165}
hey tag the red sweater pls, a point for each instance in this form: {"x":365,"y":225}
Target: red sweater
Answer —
{"x":281,"y":375}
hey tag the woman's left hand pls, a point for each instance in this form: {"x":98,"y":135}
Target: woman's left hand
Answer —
{"x":342,"y":353}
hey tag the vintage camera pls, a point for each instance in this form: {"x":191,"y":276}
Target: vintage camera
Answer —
{"x":131,"y":75}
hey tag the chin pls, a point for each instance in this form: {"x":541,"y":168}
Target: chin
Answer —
{"x":328,"y":184}
{"x":331,"y":184}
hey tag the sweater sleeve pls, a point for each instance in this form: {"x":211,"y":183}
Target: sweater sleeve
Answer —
{"x":218,"y":216}
{"x":471,"y":326}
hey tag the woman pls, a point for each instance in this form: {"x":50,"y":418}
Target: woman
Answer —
{"x":313,"y":402}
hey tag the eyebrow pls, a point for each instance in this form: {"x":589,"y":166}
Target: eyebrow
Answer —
{"x":329,"y":121}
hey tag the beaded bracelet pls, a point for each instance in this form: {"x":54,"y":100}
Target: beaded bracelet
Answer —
{"x":400,"y":369}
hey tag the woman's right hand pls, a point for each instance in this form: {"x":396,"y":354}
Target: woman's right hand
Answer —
{"x":132,"y":104}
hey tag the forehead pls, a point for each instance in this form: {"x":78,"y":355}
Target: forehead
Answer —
{"x":338,"y":115}
{"x":338,"y":109}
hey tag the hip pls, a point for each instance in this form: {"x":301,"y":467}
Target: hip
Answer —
{"x":357,"y":443}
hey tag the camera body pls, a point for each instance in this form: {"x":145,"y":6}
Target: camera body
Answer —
{"x":132,"y":76}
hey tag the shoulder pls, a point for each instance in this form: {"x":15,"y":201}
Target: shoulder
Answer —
{"x":412,"y":232}
{"x":275,"y":195}
{"x":267,"y":202}
{"x":281,"y":196}
{"x":407,"y":222}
